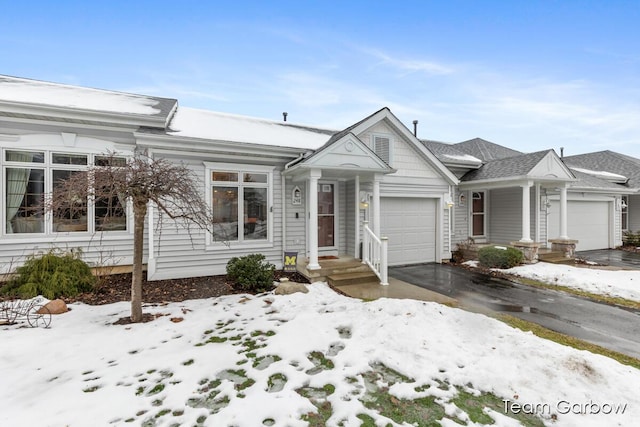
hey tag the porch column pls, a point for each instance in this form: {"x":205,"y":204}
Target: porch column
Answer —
{"x":314,"y":175}
{"x":563,"y":213}
{"x":526,"y":213}
{"x":357,"y":217}
{"x":375,"y":206}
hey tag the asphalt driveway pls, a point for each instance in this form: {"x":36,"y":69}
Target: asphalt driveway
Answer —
{"x":613,"y":257}
{"x":602,"y":324}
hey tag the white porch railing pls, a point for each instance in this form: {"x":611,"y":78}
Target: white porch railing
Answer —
{"x":374,"y":253}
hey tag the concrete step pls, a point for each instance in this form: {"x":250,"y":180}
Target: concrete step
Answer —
{"x":329,"y":269}
{"x":343,"y":279}
{"x":560,"y":259}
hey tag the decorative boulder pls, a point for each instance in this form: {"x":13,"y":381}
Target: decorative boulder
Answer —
{"x":287,"y":288}
{"x":56,"y":306}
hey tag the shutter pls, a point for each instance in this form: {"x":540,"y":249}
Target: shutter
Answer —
{"x":382,"y":147}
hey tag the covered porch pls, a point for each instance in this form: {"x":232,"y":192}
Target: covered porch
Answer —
{"x":339,"y":193}
{"x":505,"y":208}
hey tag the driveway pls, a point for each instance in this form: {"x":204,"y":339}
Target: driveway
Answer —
{"x":602,"y":324}
{"x":613,"y":257}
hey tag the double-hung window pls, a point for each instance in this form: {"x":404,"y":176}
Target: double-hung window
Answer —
{"x":241,"y":203}
{"x":30,"y":175}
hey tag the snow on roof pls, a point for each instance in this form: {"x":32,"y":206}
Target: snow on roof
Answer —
{"x":194,"y":123}
{"x":462,"y":157}
{"x":609,"y":176}
{"x":38,"y":92}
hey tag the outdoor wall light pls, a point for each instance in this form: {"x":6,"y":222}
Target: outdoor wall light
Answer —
{"x":462,"y":199}
{"x":364,"y":200}
{"x":448,"y":203}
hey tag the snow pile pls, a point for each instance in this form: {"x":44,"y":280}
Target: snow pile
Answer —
{"x":242,"y":361}
{"x":617,"y":283}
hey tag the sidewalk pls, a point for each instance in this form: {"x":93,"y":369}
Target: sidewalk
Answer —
{"x":396,"y":289}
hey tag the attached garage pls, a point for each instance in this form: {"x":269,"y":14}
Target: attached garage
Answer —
{"x":587,"y":221}
{"x":410,"y":225}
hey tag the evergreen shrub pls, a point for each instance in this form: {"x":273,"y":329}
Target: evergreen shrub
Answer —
{"x":53,"y":275}
{"x":251,"y":273}
{"x":499,"y":257}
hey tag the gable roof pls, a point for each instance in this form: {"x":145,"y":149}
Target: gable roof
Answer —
{"x":485,"y":150}
{"x":524,"y":166}
{"x":347,"y":153}
{"x":38,"y":99}
{"x":385,"y":114}
{"x":608,"y":161}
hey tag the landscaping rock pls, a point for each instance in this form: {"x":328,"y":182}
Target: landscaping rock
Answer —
{"x":287,"y":288}
{"x":56,"y":306}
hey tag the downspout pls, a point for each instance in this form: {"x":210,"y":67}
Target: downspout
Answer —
{"x":284,"y":214}
{"x":297,"y":159}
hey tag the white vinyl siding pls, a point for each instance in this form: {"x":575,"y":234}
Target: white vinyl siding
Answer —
{"x":505,"y":215}
{"x":183,"y":252}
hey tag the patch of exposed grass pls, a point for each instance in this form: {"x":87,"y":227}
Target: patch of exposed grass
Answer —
{"x":320,"y":363}
{"x":263,"y":362}
{"x":567,"y":340}
{"x":276,"y":382}
{"x":156,"y":389}
{"x":474,"y":407}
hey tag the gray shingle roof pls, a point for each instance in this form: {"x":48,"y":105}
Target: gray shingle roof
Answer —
{"x":588,"y":181}
{"x":448,"y":153}
{"x":519,"y":165}
{"x":608,"y":161}
{"x":485,"y":150}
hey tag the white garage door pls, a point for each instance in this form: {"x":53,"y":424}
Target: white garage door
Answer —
{"x":587,"y":222}
{"x":410,"y":225}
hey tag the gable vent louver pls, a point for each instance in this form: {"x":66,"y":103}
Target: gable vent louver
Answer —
{"x":382,"y":147}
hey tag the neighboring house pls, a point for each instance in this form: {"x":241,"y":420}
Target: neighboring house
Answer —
{"x":274,"y":186}
{"x":618,"y":169}
{"x":514,"y":198}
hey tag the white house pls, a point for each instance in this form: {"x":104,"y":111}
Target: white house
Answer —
{"x":278,"y":187}
{"x":274,"y":186}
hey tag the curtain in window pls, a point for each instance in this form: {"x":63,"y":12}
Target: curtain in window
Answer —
{"x":17,"y":180}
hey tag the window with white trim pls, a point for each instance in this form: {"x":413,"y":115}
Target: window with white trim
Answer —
{"x":30,"y":175}
{"x":624,"y":211}
{"x":477,"y":213}
{"x":381,"y":145}
{"x":241,"y":201}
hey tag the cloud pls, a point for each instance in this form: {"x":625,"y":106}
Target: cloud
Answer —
{"x":410,"y":65}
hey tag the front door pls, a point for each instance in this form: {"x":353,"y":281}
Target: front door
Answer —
{"x":326,"y":215}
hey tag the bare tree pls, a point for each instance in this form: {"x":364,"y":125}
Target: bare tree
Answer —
{"x":113,"y":182}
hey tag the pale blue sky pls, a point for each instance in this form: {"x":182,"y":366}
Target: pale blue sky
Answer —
{"x":530,"y":75}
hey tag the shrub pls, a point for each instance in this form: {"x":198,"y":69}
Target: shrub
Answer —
{"x":629,"y":238}
{"x":251,"y":273}
{"x":52,"y":275}
{"x":499,"y":257}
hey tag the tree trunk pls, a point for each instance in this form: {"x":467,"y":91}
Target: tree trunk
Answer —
{"x":139,"y":213}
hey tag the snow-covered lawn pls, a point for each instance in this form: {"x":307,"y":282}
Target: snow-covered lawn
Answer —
{"x":250,"y":361}
{"x":617,"y":283}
